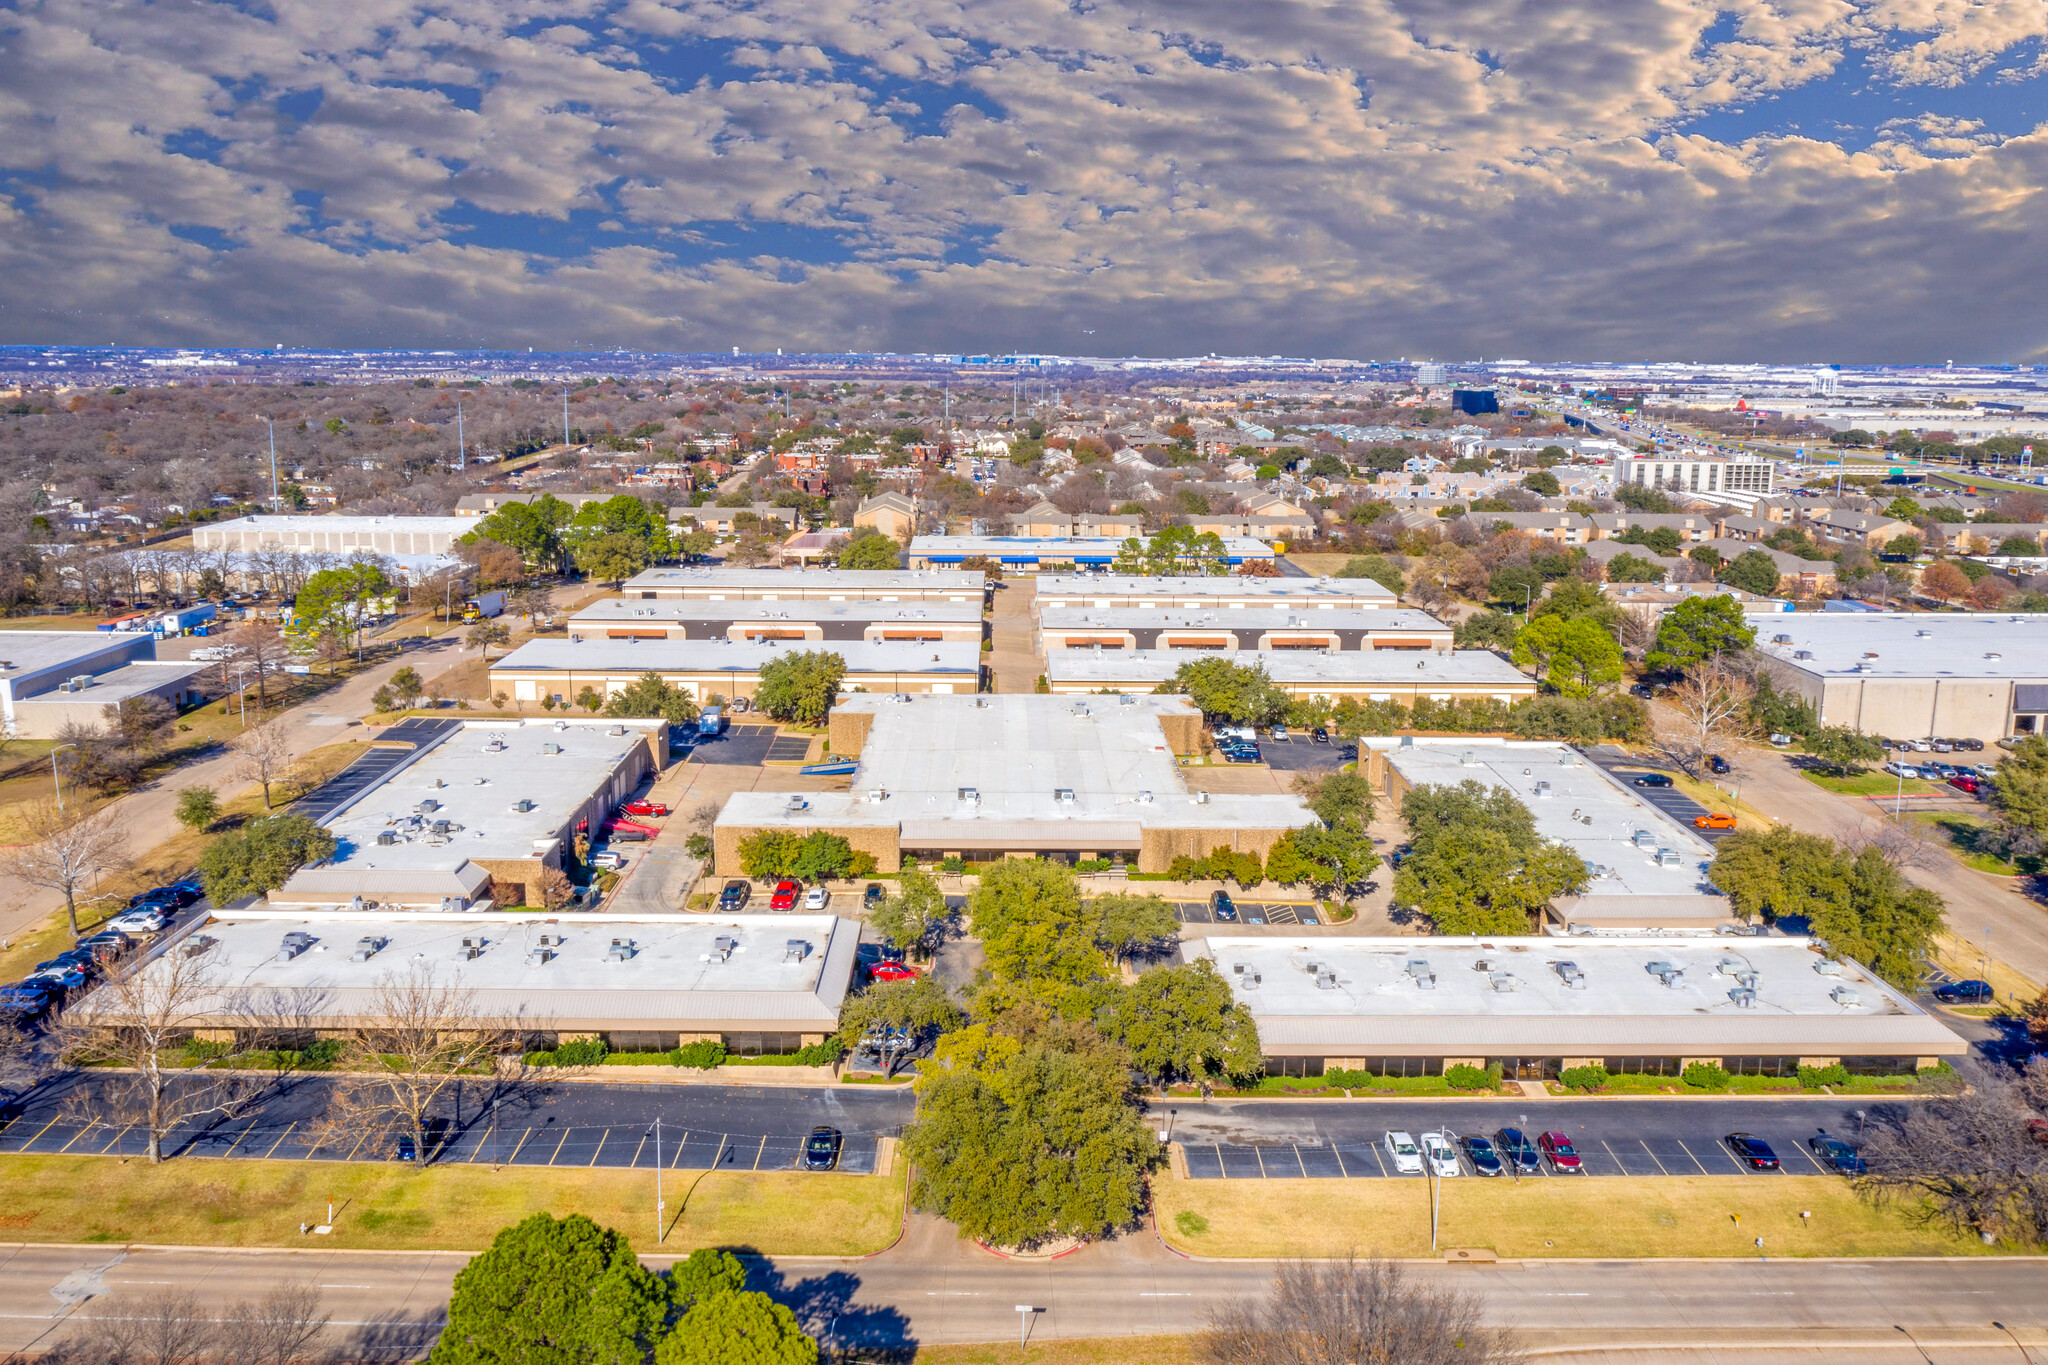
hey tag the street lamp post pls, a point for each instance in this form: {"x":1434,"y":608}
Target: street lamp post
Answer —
{"x":55,"y":780}
{"x":2025,"y":1354}
{"x":660,"y":1204}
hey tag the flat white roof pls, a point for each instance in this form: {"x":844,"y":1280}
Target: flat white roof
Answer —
{"x":1578,"y":791}
{"x":1909,"y":644}
{"x":717,"y":654}
{"x":475,"y":777}
{"x":1305,"y":616}
{"x":1030,"y":549}
{"x":23,"y":652}
{"x":331,"y":521}
{"x":675,"y":971}
{"x":869,"y":583}
{"x":1299,"y":668}
{"x":117,"y":685}
{"x":1017,"y":753}
{"x":624,"y":610}
{"x":1201,"y":591}
{"x":1508,"y":995}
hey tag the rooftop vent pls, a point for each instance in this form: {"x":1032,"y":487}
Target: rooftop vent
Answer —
{"x":1781,"y":639}
{"x":795,"y":950}
{"x":561,"y":725}
{"x":1326,"y":980}
{"x":1201,"y":798}
{"x":1802,"y":654}
{"x":1573,"y":978}
{"x":797,"y":806}
{"x":551,"y":748}
{"x":1845,"y":995}
{"x":522,"y":805}
{"x":1744,"y":998}
{"x":1994,"y":656}
{"x":1922,"y":634}
{"x":367,"y":947}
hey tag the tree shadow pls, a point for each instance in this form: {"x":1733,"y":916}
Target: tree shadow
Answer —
{"x":825,"y":1307}
{"x":392,"y":1338}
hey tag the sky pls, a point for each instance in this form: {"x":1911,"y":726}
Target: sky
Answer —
{"x":1808,"y":181}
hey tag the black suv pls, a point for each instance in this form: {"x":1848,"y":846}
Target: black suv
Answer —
{"x":1221,"y":907}
{"x":735,"y":896}
{"x":1518,"y":1152}
{"x":821,"y":1149}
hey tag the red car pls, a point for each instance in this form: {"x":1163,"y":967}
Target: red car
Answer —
{"x":643,"y":808}
{"x":891,"y":971}
{"x":786,"y":892}
{"x":1559,"y":1152}
{"x":1965,"y":781}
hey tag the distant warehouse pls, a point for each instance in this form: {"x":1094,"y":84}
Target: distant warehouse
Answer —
{"x":707,"y":584}
{"x":626,"y":618}
{"x":395,"y":535}
{"x":1393,"y":675}
{"x":1033,"y":554}
{"x":1252,"y":629}
{"x":1221,"y":592}
{"x":561,"y":669}
{"x":1914,"y":675}
{"x":49,"y":678}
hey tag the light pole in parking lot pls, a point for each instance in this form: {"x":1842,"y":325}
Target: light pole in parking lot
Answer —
{"x":2025,"y":1354}
{"x":660,"y":1205}
{"x":55,"y":780}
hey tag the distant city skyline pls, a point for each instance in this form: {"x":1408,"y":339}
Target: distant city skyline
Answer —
{"x":1852,"y":182}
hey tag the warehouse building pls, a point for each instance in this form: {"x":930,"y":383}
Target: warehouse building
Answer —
{"x":1648,"y":870}
{"x":1914,"y":675}
{"x":1031,"y":554}
{"x":758,"y":984}
{"x":476,"y":817}
{"x":336,"y":534}
{"x":561,"y":669}
{"x":809,"y":585}
{"x":1534,"y":1006}
{"x":49,"y":678}
{"x":676,"y":618}
{"x":1254,"y":628}
{"x":1403,"y":676}
{"x":1227,"y":593}
{"x":990,"y":776}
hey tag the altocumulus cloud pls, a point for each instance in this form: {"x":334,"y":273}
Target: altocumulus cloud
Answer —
{"x":1810,"y":179}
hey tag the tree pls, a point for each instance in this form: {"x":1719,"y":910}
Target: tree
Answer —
{"x":1697,"y":629}
{"x":1576,"y":656}
{"x":421,"y":1047}
{"x":533,"y":528}
{"x":919,"y":1005}
{"x":821,"y":854}
{"x":2024,"y":547}
{"x":1378,"y":568}
{"x":1020,"y":1139}
{"x":2020,"y":796}
{"x":1327,"y":1312}
{"x":1989,"y":594}
{"x":908,"y":919}
{"x":1027,"y":913}
{"x":800,"y":686}
{"x":340,"y":598}
{"x":703,"y":1274}
{"x":1576,"y":599}
{"x":484,"y":634}
{"x":769,"y":853}
{"x":1336,"y":855}
{"x":1905,"y":545}
{"x":1182,"y":1023}
{"x":139,"y":724}
{"x":1628,"y":568}
{"x":739,"y":1327}
{"x":1944,"y":582}
{"x":1121,"y":923}
{"x":1753,"y":571}
{"x":553,"y":1290}
{"x":613,"y":557}
{"x":1543,"y":482}
{"x":64,"y":851}
{"x":1487,"y":630}
{"x":407,"y":686}
{"x":1860,"y":903}
{"x":870,"y":549}
{"x":1965,"y":1160}
{"x":1476,"y":864}
{"x":198,"y":808}
{"x":261,"y":856}
{"x":263,"y":647}
{"x":263,"y":753}
{"x":1843,"y":749}
{"x":1707,"y":557}
{"x":1711,"y":701}
{"x":647,"y":696}
{"x":1230,"y":691}
{"x":1174,"y":550}
{"x":1336,"y":796}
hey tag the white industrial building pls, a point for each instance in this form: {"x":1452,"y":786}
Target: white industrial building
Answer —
{"x":1391,"y":675}
{"x":1914,"y":675}
{"x":808,"y":585}
{"x":336,"y":534}
{"x":1031,"y":554}
{"x":688,"y":618}
{"x":1251,"y":629}
{"x":1227,"y":593}
{"x":1698,"y":472}
{"x":51,"y":677}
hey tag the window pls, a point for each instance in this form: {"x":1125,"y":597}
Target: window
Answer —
{"x":1294,"y":1066}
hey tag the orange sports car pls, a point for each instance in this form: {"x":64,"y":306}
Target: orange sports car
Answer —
{"x":1717,"y":820}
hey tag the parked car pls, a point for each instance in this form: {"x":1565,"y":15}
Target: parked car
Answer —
{"x":604,"y":857}
{"x":821,"y":1149}
{"x":139,"y":922}
{"x":1919,"y":746}
{"x":27,"y":1004}
{"x":1781,"y":741}
{"x":1321,"y":735}
{"x":785,"y":894}
{"x":1942,"y":746}
{"x":1243,"y":755}
{"x":817,"y":898}
{"x":1715,"y":820}
{"x":1402,"y":1151}
{"x":1897,"y":769}
{"x":1837,"y":1155}
{"x":1652,"y":780}
{"x":176,"y":895}
{"x":1278,"y":734}
{"x":735,"y":896}
{"x":1752,"y":1151}
{"x":1718,"y":764}
{"x":63,"y":976}
{"x":1441,"y":1156}
{"x":1485,"y":1160}
{"x":1975,"y":746}
{"x":1517,"y":1151}
{"x":892,"y":971}
{"x":1221,"y":906}
{"x":643,"y":808}
{"x":873,"y":897}
{"x":1964,"y":992}
{"x":1964,"y":782}
{"x":1557,"y":1149}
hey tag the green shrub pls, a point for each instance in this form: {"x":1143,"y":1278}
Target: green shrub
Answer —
{"x":1814,"y":1077}
{"x":581,"y":1052}
{"x":1471,"y":1077}
{"x":820,"y":1054}
{"x":640,"y":1058}
{"x":318,"y":1053}
{"x":199,"y":1051}
{"x":702,"y":1055}
{"x":1584,"y":1077}
{"x":1092,"y":865}
{"x":1706,"y":1076}
{"x":955,"y":864}
{"x":1342,"y":1079}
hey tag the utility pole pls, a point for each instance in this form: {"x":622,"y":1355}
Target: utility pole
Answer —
{"x":461,"y":450}
{"x":565,"y":414}
{"x":273,"y":463}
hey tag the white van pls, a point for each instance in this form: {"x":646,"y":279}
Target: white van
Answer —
{"x":1243,"y":732}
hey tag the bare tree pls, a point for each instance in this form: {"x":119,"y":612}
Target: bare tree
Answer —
{"x":1635,"y":632}
{"x":1710,"y":702}
{"x":1903,"y":844}
{"x":484,"y":634}
{"x":140,"y":1021}
{"x":261,"y":646}
{"x":421,"y":1047}
{"x":1967,"y":1160}
{"x":169,"y":1329}
{"x":65,"y":852}
{"x":282,"y":1328}
{"x":1353,"y":1312}
{"x":263,"y":754}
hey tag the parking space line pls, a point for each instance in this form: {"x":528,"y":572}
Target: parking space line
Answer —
{"x":636,"y":1152}
{"x":558,"y":1144}
{"x":760,"y":1151}
{"x":602,"y":1134}
{"x":280,"y":1138}
{"x":1338,"y":1152}
{"x":1800,"y":1148}
{"x":90,"y":1124}
{"x":358,"y":1147}
{"x":478,"y":1150}
{"x":1653,"y":1157}
{"x":520,"y":1144}
{"x":115,"y":1141}
{"x":240,"y":1140}
{"x":1259,"y":1157}
{"x":1375,"y":1150}
{"x":1695,"y":1160}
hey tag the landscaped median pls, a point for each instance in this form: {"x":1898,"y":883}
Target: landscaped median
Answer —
{"x":389,"y":1207}
{"x":1651,"y":1216}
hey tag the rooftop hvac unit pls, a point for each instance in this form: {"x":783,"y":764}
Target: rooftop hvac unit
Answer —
{"x":1845,"y":995}
{"x":1670,"y":973}
{"x":1730,"y":966}
{"x":496,"y":746}
{"x":540,"y":957}
{"x":81,"y":681}
{"x":1201,"y":798}
{"x":1063,"y":795}
{"x":387,"y":837}
{"x":795,"y":950}
{"x":293,"y":944}
{"x":797,"y":806}
{"x":522,"y":805}
{"x":428,"y":806}
{"x":551,"y":748}
{"x":1781,"y":639}
{"x":1326,"y":981}
{"x":366,"y":948}
{"x":1828,"y":966}
{"x":1468,"y":759}
{"x":621,"y":950}
{"x":561,"y":725}
{"x":1644,"y":838}
{"x":1504,"y":982}
{"x":1542,"y":791}
{"x":1145,"y":798}
{"x":723,"y":946}
{"x":1744,"y":998}
{"x":1484,"y":964}
{"x":1668,"y":857}
{"x":1126,"y":699}
{"x":1573,"y":978}
{"x":453,"y":905}
{"x":968,"y":794}
{"x":440,"y":782}
{"x":616,"y":730}
{"x":549,"y":940}
{"x":1922,"y":634}
{"x":1249,"y":981}
{"x":444,"y":827}
{"x":1802,"y":654}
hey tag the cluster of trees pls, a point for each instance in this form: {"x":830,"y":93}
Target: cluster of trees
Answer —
{"x":1475,"y":863}
{"x":1028,"y":1124}
{"x":870,"y":549}
{"x":810,"y":857}
{"x":260,"y":855}
{"x":569,"y":1290}
{"x":1174,"y":550}
{"x":800,"y":686}
{"x":1857,"y":900}
{"x":610,"y":540}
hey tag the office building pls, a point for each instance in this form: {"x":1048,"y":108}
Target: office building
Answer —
{"x":1253,"y":628}
{"x":1698,"y":473}
{"x":683,"y":618}
{"x":1226,"y":592}
{"x":335,"y":534}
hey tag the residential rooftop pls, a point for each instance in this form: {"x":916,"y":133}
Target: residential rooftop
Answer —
{"x":1892,"y":644}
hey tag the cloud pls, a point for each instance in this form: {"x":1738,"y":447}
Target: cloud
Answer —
{"x":1374,"y":177}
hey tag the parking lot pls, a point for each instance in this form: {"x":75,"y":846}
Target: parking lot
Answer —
{"x":1301,"y":754}
{"x":747,"y":746}
{"x":1669,"y":800}
{"x":1251,"y":912}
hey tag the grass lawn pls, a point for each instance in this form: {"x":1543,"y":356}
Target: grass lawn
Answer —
{"x":1869,"y":784}
{"x":1714,"y":799}
{"x":1962,"y":958}
{"x":198,"y":1202}
{"x":1974,"y":840}
{"x":1681,"y":1216}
